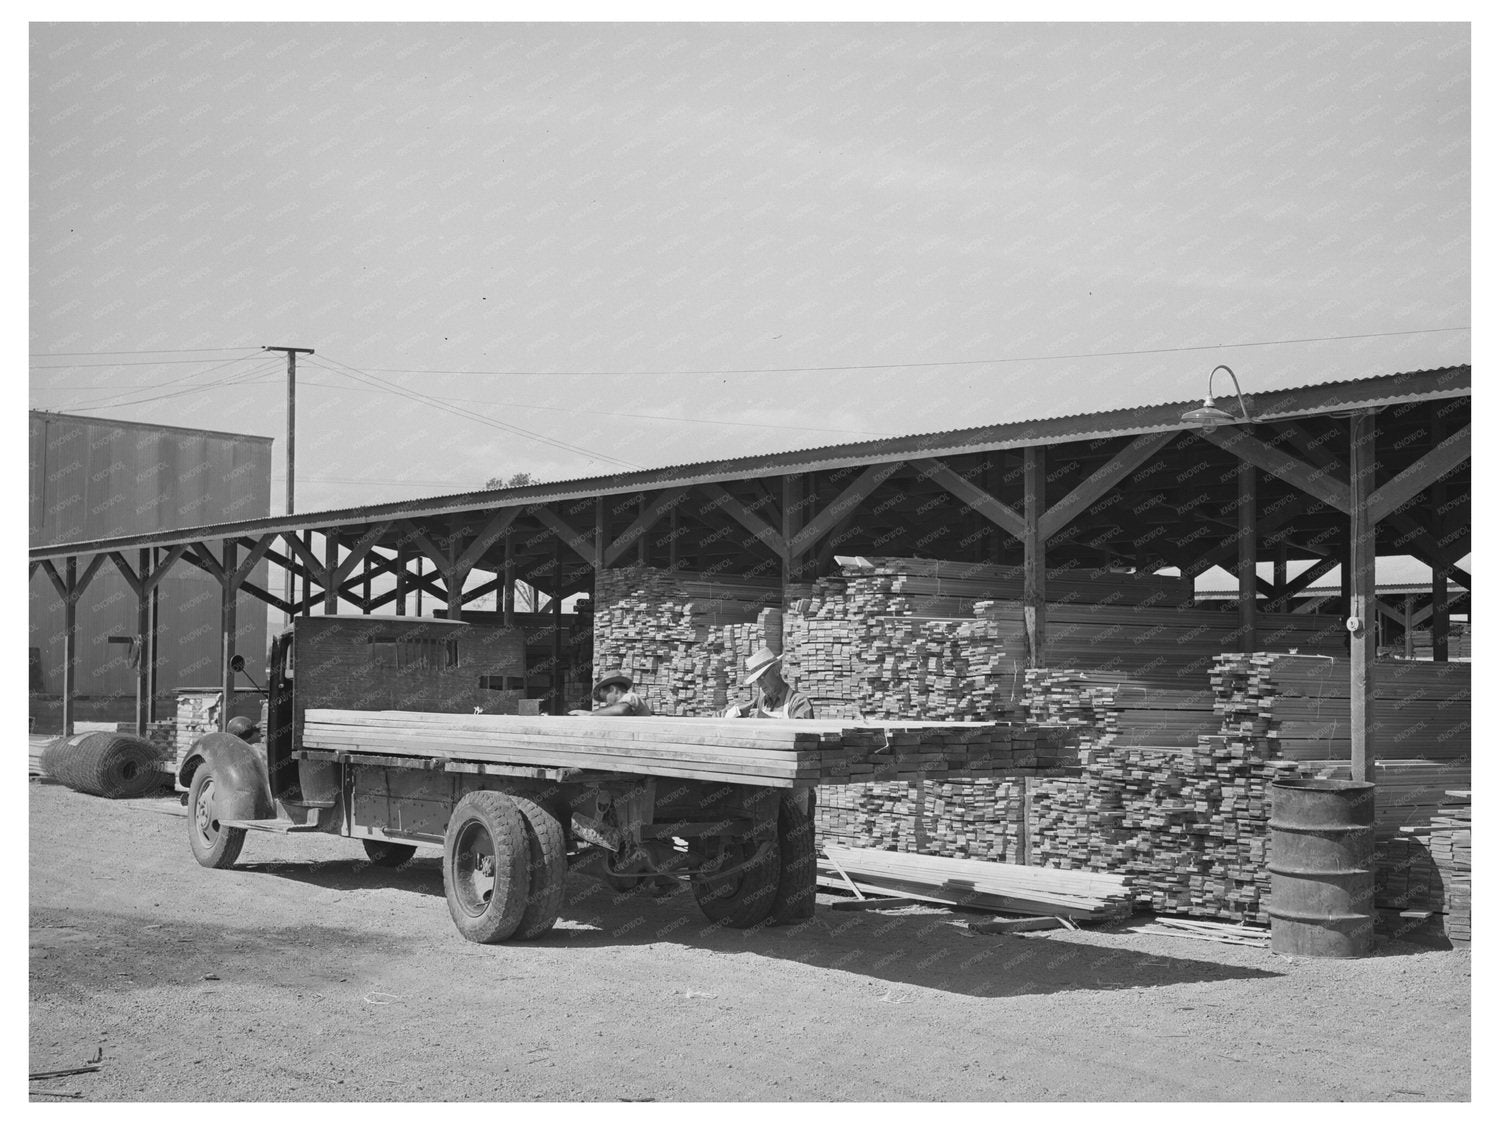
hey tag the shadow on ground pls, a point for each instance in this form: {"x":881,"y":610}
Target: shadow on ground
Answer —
{"x":66,"y":952}
{"x":918,"y":947}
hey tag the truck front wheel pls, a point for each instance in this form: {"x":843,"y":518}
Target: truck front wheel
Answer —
{"x":485,"y":875}
{"x":213,"y":845}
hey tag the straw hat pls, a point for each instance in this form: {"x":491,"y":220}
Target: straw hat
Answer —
{"x":757,"y":664}
{"x":613,"y":677}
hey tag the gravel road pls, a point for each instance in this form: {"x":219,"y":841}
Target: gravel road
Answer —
{"x":306,"y":974}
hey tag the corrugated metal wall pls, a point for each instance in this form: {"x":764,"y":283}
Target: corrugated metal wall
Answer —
{"x":92,"y":478}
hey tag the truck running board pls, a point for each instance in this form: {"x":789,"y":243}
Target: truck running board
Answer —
{"x":276,"y":827}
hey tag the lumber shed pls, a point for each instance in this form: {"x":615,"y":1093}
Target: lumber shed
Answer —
{"x":1332,"y":474}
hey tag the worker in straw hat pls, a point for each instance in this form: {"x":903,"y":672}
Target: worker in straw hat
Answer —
{"x":617,"y":696}
{"x":776,"y":698}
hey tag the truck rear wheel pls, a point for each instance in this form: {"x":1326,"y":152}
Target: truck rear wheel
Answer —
{"x":213,"y":845}
{"x":485,"y":867}
{"x":546,"y":864}
{"x":797,"y":881}
{"x":381,"y":852}
{"x":743,"y":899}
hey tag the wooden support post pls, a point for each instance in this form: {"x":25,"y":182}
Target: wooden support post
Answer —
{"x":1408,"y":607}
{"x":995,"y":538}
{"x":557,"y":600}
{"x":1189,"y":589}
{"x":420,"y":558}
{"x":1439,"y":495}
{"x":601,"y":535}
{"x":1278,"y":579}
{"x":157,"y":565}
{"x":508,"y":595}
{"x":1247,"y":552}
{"x":366,"y":571}
{"x":400,"y":582}
{"x":330,"y":573}
{"x":1362,"y":608}
{"x":788,"y":525}
{"x":228,"y":596}
{"x":672,"y":539}
{"x":1034,"y":606}
{"x":70,"y":642}
{"x":143,"y":637}
{"x":642,"y":553}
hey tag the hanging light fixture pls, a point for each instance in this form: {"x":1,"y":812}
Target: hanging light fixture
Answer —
{"x":1209,"y":417}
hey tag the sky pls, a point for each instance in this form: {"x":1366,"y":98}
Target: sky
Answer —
{"x":571,"y":249}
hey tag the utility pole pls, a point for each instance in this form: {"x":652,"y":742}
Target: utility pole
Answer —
{"x":288,"y":586}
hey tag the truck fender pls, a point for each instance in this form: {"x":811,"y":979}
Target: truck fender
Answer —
{"x":242,"y":791}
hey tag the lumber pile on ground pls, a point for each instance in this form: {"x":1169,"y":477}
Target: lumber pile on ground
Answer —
{"x":1452,"y":842}
{"x":683,"y":636}
{"x":780,"y":754}
{"x":1299,"y":705}
{"x":1079,"y":895}
{"x":1188,"y":823}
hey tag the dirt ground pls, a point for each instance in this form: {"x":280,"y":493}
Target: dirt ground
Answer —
{"x":306,"y":974}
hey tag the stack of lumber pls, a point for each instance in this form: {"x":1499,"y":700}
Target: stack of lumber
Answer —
{"x":678,"y":633}
{"x":1452,"y":850}
{"x":1299,"y":705}
{"x":1162,"y":707}
{"x":779,"y":754}
{"x":1460,"y":642}
{"x":860,"y":643}
{"x":1188,"y":822}
{"x":1154,"y":639}
{"x":1079,"y":895}
{"x":979,"y":818}
{"x":937,"y":588}
{"x":1421,"y":708}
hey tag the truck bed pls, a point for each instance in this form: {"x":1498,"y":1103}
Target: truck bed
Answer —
{"x":742,"y":751}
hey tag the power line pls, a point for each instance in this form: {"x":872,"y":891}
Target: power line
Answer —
{"x":614,"y":413}
{"x":142,"y":351}
{"x":190,"y":375}
{"x":132,"y":363}
{"x":416,"y":396}
{"x":215,"y":385}
{"x":934,"y":363}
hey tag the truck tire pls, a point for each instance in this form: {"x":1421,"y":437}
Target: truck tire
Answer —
{"x":381,"y":852}
{"x":485,"y":867}
{"x":797,"y":884}
{"x":213,"y":846}
{"x":744,"y":900}
{"x":546,"y":863}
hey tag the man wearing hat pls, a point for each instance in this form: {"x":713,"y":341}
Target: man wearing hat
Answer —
{"x":777,"y":698}
{"x":617,"y":692}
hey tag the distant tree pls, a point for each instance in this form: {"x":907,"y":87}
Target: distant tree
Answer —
{"x":517,"y":480}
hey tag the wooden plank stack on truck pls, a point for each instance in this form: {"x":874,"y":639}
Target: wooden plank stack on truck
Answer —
{"x":403,"y":734}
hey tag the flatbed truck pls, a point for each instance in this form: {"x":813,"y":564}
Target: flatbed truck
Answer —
{"x":509,"y":832}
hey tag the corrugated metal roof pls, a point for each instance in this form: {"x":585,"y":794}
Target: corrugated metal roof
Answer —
{"x":1301,"y":401}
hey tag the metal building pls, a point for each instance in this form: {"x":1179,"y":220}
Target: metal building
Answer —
{"x":94,"y":478}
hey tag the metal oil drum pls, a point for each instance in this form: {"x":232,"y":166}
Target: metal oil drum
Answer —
{"x":1322,"y":867}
